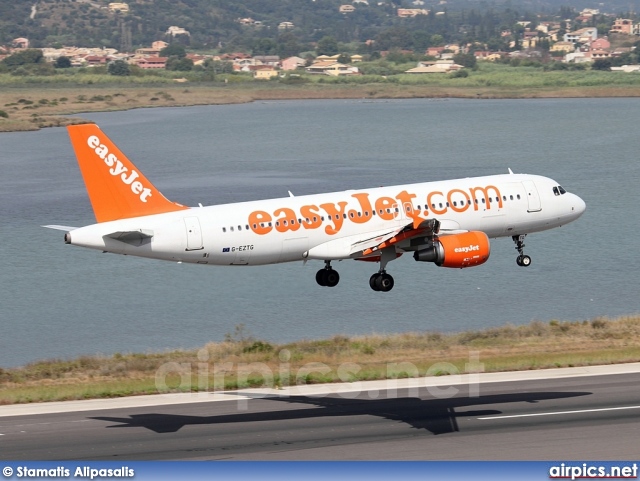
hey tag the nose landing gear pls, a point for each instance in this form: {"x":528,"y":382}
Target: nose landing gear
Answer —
{"x":522,"y":259}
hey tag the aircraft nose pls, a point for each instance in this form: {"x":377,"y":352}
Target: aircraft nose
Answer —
{"x":578,"y":206}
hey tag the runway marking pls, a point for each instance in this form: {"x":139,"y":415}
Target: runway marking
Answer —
{"x":560,"y":412}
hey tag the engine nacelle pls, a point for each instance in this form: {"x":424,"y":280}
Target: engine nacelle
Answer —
{"x":457,"y":250}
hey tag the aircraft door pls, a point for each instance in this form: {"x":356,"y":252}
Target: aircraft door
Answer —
{"x":194,"y":234}
{"x":533,"y":198}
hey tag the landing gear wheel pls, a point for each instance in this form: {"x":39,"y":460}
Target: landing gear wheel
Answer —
{"x":332,"y":277}
{"x":385,"y":282}
{"x":373,"y":281}
{"x":327,"y":277}
{"x":381,"y":281}
{"x":522,"y":260}
{"x":321,"y":277}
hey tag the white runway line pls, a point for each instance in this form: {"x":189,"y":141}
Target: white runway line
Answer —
{"x":560,"y":412}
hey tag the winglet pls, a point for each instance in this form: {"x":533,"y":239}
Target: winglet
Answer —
{"x":116,"y":188}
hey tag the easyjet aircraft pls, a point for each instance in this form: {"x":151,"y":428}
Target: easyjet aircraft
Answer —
{"x":448,"y":223}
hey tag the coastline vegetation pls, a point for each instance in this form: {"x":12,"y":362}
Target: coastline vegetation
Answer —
{"x":31,"y":102}
{"x":242,"y":361}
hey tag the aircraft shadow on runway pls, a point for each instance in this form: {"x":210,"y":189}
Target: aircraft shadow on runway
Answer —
{"x":438,"y":416}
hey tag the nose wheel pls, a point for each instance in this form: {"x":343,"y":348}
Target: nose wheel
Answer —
{"x":522,"y":259}
{"x":327,"y":277}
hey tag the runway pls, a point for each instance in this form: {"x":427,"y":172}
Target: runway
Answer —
{"x":581,"y":414}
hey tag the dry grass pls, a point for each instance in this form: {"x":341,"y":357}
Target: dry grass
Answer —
{"x":243,"y":361}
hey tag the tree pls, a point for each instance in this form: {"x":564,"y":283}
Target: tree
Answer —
{"x":465,"y":59}
{"x":288,"y":45}
{"x":119,"y":68}
{"x":62,"y":62}
{"x":344,"y":58}
{"x":173,"y":50}
{"x":179,"y":64}
{"x":601,"y":64}
{"x":25,"y":57}
{"x":327,"y":46}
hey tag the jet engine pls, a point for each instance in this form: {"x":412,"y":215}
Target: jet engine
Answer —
{"x":456,"y":250}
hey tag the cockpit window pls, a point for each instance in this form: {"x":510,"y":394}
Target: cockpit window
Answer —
{"x":558,"y":190}
{"x":555,"y":191}
{"x":562,"y":191}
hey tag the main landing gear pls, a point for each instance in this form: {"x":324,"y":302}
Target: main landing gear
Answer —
{"x":327,"y":277}
{"x":522,"y":259}
{"x":381,"y":281}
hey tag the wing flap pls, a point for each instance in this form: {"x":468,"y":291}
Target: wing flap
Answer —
{"x":419,"y":227}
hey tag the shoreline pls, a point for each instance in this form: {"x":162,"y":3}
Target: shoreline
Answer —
{"x":31,"y":108}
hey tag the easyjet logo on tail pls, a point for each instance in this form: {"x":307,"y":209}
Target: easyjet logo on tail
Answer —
{"x":117,"y":169}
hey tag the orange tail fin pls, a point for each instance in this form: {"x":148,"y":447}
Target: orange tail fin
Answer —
{"x":117,"y":189}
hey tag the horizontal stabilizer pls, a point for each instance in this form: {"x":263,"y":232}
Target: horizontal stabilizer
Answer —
{"x":60,"y":227}
{"x":132,"y":237}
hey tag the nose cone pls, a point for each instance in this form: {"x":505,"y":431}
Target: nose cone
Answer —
{"x":578,"y":206}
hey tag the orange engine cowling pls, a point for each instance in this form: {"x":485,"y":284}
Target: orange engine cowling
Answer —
{"x":457,"y":250}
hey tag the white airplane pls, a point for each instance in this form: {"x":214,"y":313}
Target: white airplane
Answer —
{"x":448,"y":222}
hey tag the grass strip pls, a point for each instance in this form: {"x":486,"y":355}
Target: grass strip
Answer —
{"x":243,"y":361}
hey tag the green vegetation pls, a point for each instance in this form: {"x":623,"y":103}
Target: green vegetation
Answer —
{"x":243,"y":361}
{"x":71,"y":91}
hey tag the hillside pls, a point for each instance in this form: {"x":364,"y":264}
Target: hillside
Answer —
{"x":215,"y":23}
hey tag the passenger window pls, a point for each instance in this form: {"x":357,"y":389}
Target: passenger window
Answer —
{"x":224,"y":229}
{"x":231,"y":228}
{"x":518,"y":196}
{"x":510,"y":197}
